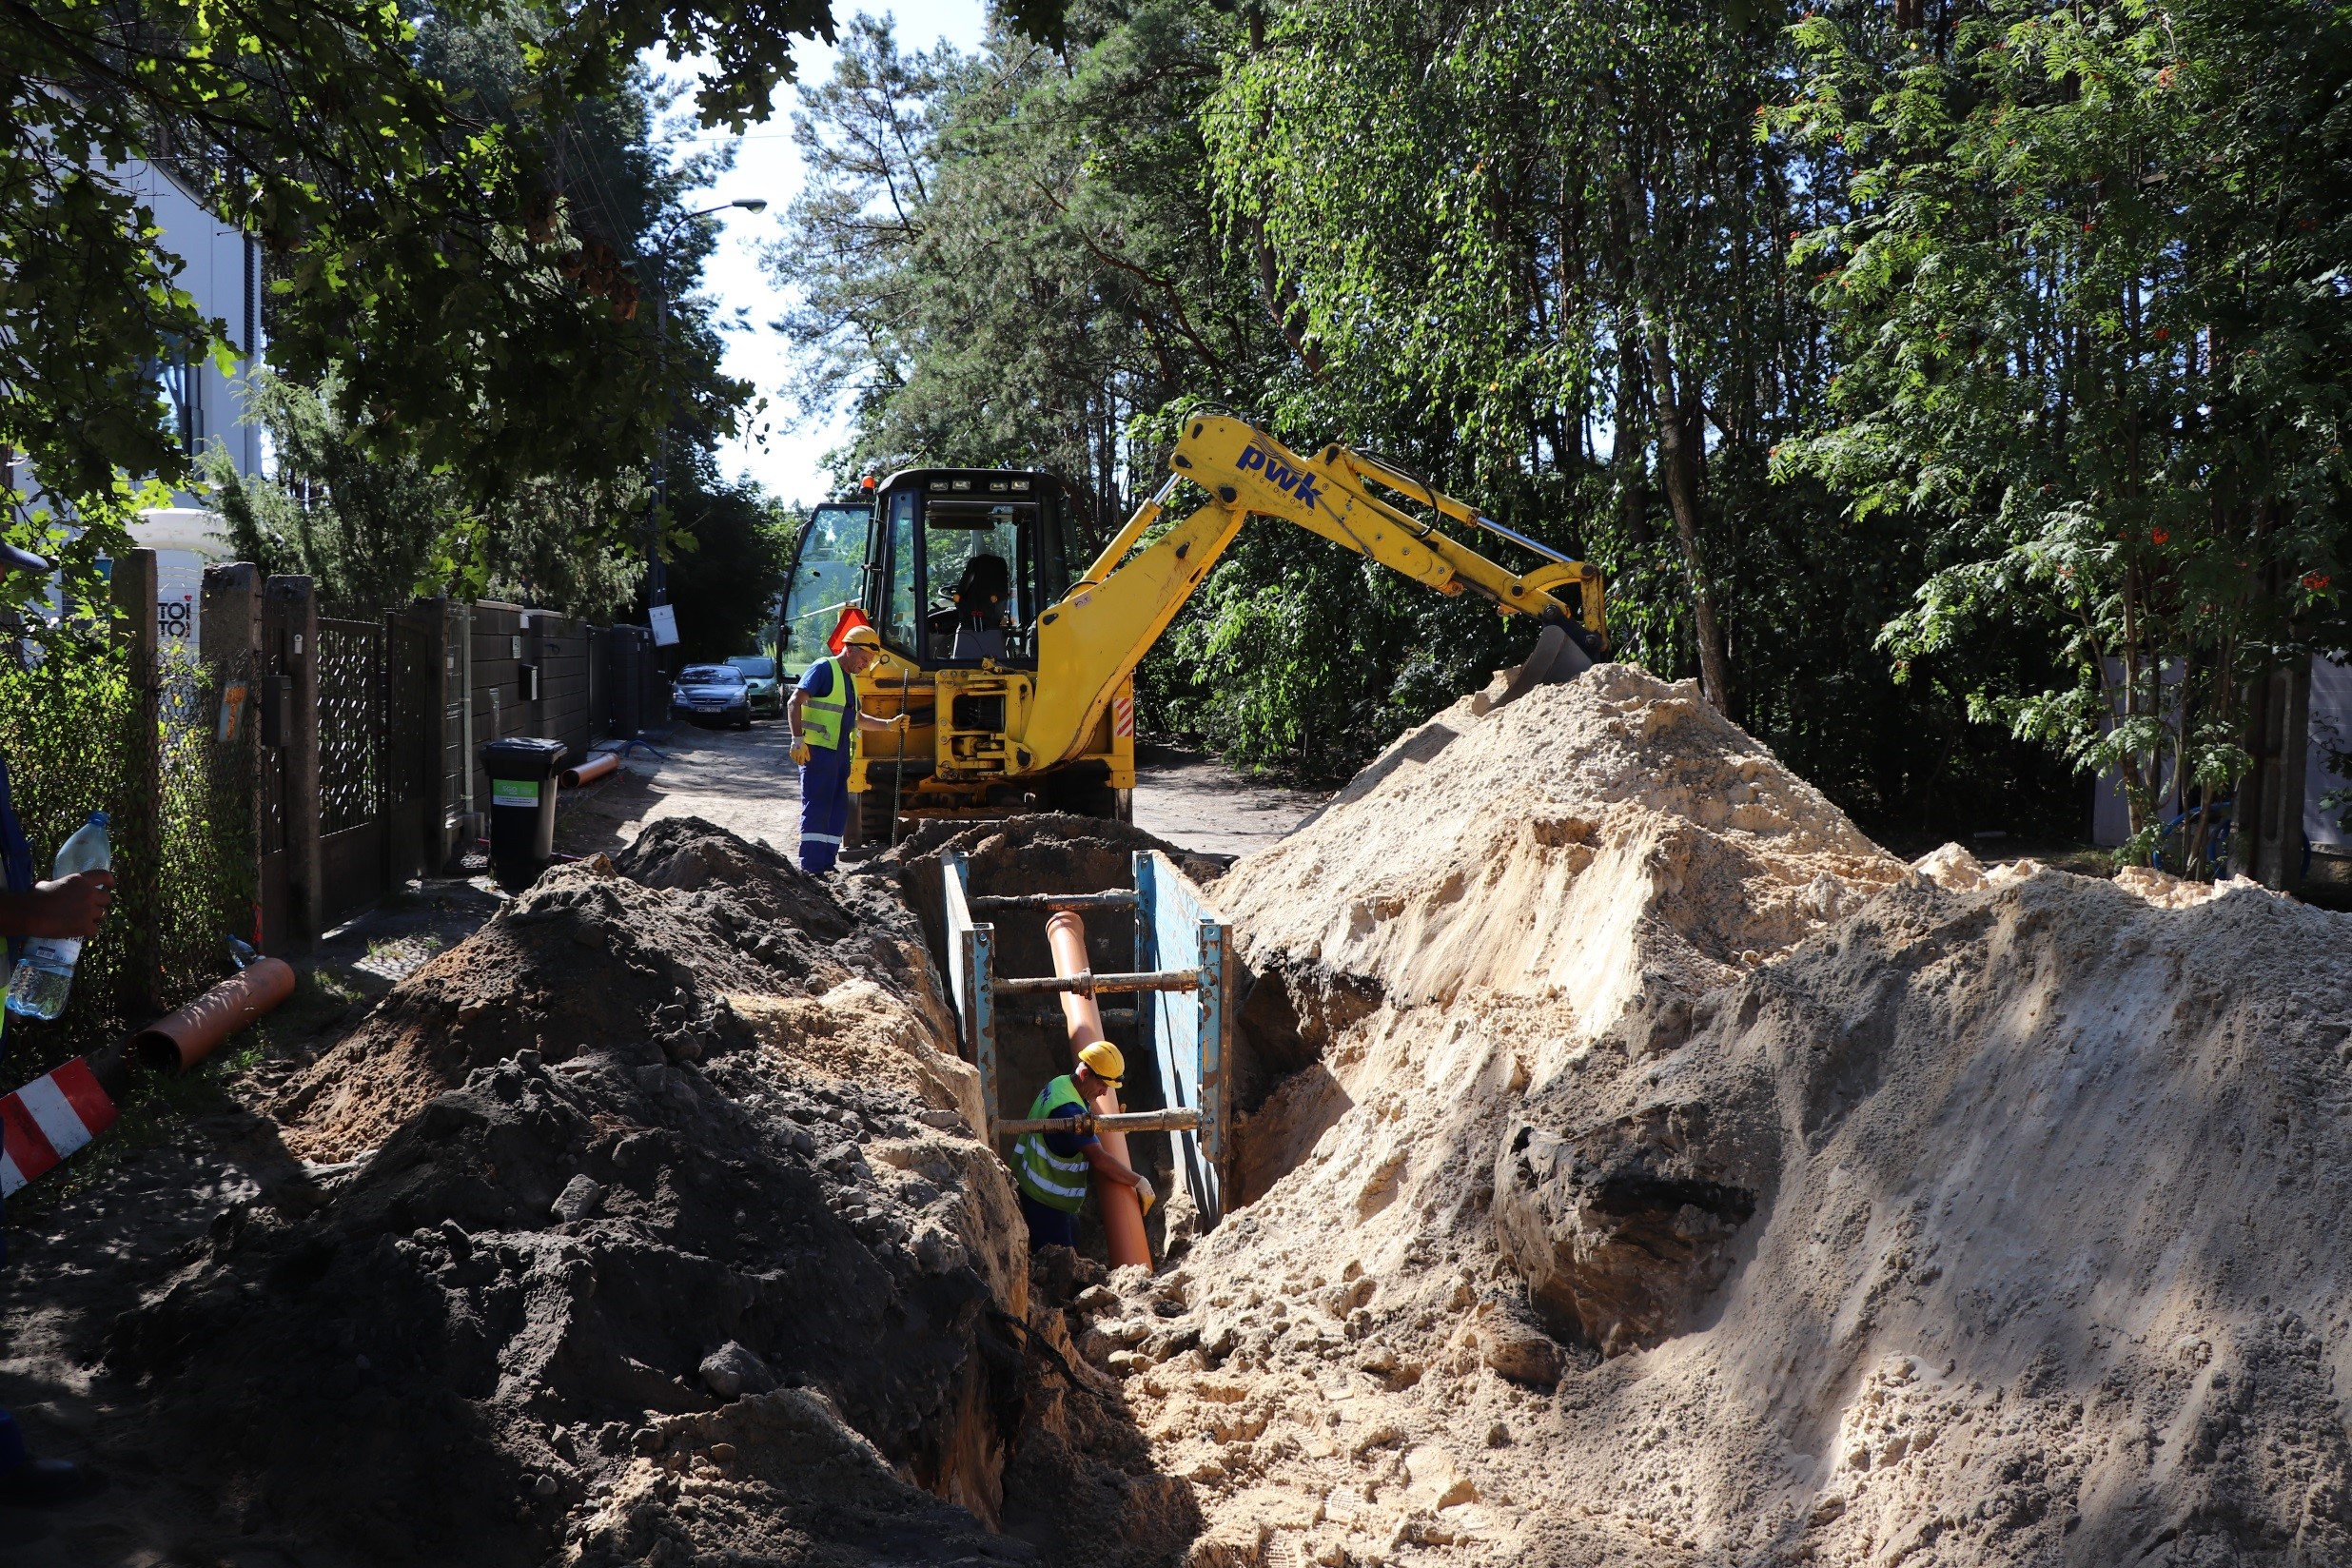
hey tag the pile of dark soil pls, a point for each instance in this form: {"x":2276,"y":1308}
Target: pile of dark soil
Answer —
{"x":583,"y":960}
{"x":674,"y":1247}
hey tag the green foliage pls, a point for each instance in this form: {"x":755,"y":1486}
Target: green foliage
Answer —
{"x":1538,"y":251}
{"x":1009,"y":258}
{"x":726,"y":585}
{"x":374,"y":522}
{"x":2090,"y":296}
{"x":70,"y":715}
{"x":374,"y":531}
{"x":431,"y":196}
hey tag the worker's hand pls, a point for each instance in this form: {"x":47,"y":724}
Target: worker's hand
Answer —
{"x":1143,"y":1192}
{"x":903,"y":721}
{"x":800,"y":754}
{"x":71,"y":906}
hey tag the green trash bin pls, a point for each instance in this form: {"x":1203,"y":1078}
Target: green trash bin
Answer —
{"x":522,"y":807}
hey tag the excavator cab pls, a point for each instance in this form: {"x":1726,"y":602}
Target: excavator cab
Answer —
{"x":827,"y":575}
{"x":960,"y":564}
{"x":963,"y":569}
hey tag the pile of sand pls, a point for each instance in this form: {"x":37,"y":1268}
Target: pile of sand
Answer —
{"x":1976,"y":1218}
{"x":1596,"y":855}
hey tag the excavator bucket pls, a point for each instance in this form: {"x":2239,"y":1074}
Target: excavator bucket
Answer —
{"x":1556,"y":659}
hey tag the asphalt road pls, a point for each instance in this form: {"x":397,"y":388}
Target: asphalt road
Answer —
{"x":743,"y":780}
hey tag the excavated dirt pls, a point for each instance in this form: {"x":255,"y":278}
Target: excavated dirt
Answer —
{"x":673,"y":1245}
{"x":1669,"y":1176}
{"x":1641,"y":1167}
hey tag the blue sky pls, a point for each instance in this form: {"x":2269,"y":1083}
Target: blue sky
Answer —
{"x":787,"y":462}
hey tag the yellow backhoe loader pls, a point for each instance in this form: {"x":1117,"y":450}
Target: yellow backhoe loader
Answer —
{"x":1018,"y":665}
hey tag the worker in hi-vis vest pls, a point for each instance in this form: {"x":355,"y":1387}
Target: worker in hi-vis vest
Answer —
{"x":71,"y":906}
{"x":1050,"y":1168}
{"x":824,"y":718}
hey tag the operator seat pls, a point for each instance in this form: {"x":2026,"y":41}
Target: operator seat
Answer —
{"x":980,"y":596}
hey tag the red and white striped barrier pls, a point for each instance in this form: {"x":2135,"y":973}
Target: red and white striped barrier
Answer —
{"x":48,"y":1119}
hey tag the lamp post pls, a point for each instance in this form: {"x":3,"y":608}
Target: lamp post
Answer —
{"x":657,"y":576}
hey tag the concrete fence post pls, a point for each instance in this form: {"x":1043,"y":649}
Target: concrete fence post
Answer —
{"x":298,"y":600}
{"x":139,"y":841}
{"x":229,"y":634}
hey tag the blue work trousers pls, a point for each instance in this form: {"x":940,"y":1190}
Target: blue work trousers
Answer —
{"x":824,"y":806}
{"x":1048,"y":1226}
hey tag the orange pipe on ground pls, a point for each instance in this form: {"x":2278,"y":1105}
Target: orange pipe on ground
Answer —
{"x":184,"y":1038}
{"x":1123,"y":1211}
{"x":590,"y":770}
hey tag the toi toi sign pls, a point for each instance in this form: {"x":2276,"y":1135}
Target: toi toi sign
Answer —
{"x":179,"y":589}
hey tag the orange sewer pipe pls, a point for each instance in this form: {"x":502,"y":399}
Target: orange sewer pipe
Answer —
{"x":1123,"y":1211}
{"x":590,"y":770}
{"x":182,"y":1039}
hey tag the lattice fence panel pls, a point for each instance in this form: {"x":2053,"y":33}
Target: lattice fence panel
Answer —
{"x":352,"y":778}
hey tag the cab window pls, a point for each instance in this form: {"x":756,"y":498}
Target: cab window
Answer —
{"x":983,"y":584}
{"x":827,"y":576}
{"x":901,"y":625}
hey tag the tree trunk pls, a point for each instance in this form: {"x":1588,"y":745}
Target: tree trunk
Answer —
{"x":1678,"y":457}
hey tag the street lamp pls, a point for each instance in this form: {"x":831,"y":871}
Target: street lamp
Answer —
{"x":657,"y":576}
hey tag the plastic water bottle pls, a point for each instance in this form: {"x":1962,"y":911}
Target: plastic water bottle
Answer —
{"x":44,"y":974}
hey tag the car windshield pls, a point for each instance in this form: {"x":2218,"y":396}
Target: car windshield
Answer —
{"x":711,"y":675}
{"x":754,"y":669}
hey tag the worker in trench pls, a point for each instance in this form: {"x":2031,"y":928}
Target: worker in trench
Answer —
{"x":824,"y":717}
{"x":71,"y":907}
{"x":1050,"y":1168}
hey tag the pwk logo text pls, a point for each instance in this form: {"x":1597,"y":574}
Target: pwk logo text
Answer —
{"x":1300,"y":485}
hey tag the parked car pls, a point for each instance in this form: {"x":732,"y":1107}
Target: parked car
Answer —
{"x":711,"y":693}
{"x":760,"y":684}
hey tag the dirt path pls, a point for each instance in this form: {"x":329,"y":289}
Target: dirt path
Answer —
{"x":743,"y":780}
{"x":1207,"y":807}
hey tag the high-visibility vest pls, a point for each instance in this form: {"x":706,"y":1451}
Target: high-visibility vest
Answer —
{"x":821,"y":716}
{"x":1055,"y":1181}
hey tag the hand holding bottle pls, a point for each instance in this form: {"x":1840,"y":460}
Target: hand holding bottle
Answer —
{"x":75,"y":899}
{"x":71,"y":906}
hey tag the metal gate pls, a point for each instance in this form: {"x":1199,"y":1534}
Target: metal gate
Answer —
{"x":379,"y":793}
{"x":353,"y":786}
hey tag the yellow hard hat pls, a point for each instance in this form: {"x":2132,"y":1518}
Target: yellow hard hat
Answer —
{"x":1102,"y":1058}
{"x":861,"y":636}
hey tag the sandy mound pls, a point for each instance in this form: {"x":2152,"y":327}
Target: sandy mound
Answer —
{"x":1559,"y":848}
{"x":1986,"y":1226}
{"x":1597,"y":854}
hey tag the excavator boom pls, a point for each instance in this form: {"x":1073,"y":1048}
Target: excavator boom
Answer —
{"x":1089,"y":643}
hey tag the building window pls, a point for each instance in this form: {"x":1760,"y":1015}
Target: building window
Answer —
{"x":184,"y":395}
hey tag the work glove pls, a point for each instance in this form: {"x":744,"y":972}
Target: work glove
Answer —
{"x":800,"y":754}
{"x":1143,"y":1192}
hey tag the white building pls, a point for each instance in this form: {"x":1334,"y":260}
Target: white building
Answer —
{"x":2330,"y":733}
{"x":221,"y":268}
